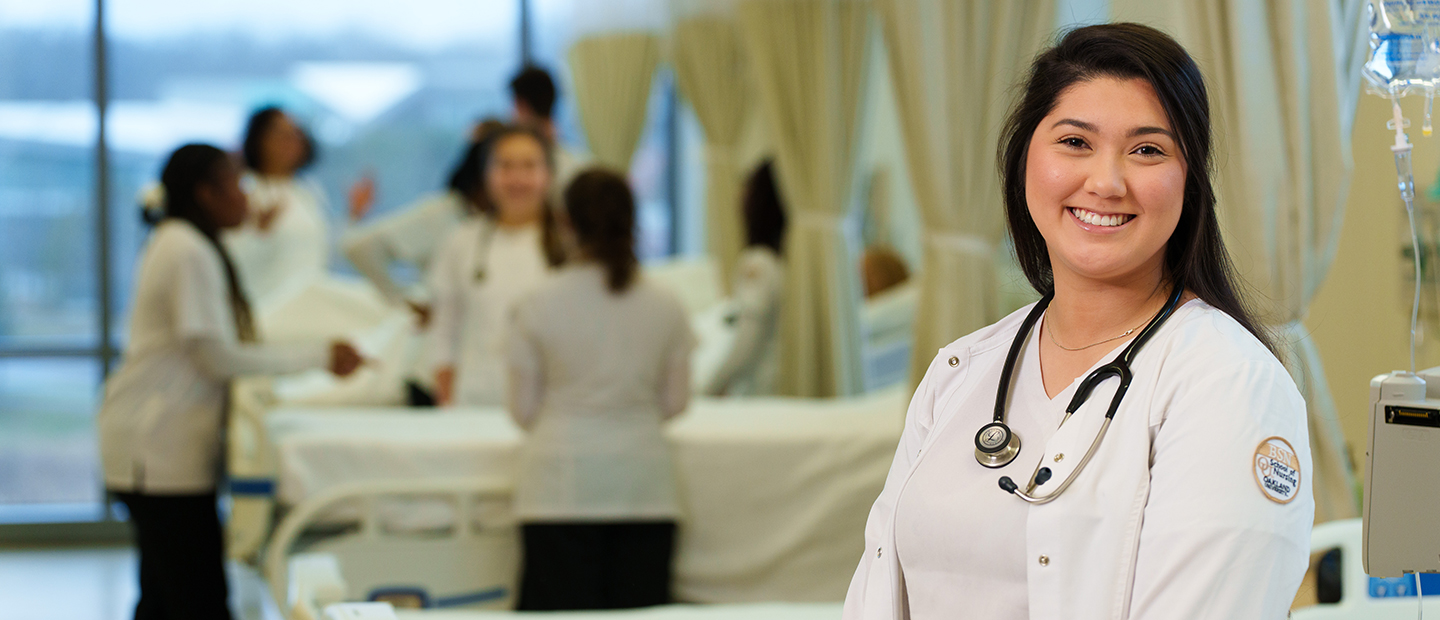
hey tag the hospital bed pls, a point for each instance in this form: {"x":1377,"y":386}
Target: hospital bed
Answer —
{"x":775,"y":492}
{"x":1363,"y":597}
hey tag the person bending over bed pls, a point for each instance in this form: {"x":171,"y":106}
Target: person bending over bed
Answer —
{"x":599,"y":359}
{"x":749,"y":367}
{"x":161,"y":419}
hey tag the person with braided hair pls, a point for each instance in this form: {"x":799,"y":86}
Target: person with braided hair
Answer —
{"x":599,"y":360}
{"x":162,"y":416}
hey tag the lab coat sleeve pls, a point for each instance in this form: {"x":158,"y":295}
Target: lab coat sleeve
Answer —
{"x":870,"y":594}
{"x":411,"y":235}
{"x":370,"y":252}
{"x":1212,"y":545}
{"x":755,"y":303}
{"x":222,"y":360}
{"x":448,"y":282}
{"x":675,"y":376}
{"x":527,"y":378}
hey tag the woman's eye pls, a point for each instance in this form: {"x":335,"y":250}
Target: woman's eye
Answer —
{"x":1150,"y":150}
{"x":1073,"y":142}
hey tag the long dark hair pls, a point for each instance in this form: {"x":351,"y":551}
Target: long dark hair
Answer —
{"x":549,"y":228}
{"x":602,"y":211}
{"x":1195,"y":256}
{"x":764,"y":213}
{"x":189,"y":167}
{"x":467,"y":178}
{"x":256,"y":128}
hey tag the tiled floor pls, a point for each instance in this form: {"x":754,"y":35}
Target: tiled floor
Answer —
{"x":98,"y":584}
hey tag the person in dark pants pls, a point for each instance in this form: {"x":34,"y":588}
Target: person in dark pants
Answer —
{"x":599,"y":360}
{"x":161,"y":418}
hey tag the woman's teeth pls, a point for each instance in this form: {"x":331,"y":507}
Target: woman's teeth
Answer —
{"x":1095,"y":219}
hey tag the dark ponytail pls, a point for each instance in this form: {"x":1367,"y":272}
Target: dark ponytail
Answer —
{"x":189,"y":167}
{"x":602,"y":211}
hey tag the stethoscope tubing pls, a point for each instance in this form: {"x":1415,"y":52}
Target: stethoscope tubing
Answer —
{"x":1119,"y":368}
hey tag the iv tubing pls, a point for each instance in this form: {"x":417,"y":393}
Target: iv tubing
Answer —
{"x":1406,"y":181}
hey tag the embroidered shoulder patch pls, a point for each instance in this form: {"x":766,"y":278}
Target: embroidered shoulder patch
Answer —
{"x":1277,"y":470}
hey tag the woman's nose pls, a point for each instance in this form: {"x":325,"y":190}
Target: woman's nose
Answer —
{"x":1106,"y":178}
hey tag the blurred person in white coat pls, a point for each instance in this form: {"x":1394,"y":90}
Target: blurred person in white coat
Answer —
{"x":487,"y":264}
{"x":284,"y":243}
{"x":749,"y":367}
{"x":162,"y":416}
{"x":599,"y":359}
{"x":412,"y":235}
{"x":1197,"y":502}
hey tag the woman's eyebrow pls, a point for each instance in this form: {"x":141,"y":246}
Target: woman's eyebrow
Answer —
{"x":1076,"y":123}
{"x":1145,"y":131}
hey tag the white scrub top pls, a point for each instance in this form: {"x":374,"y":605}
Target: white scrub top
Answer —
{"x":594,"y":374}
{"x":749,"y":368}
{"x":294,"y":252}
{"x":412,"y":234}
{"x":1170,"y":519}
{"x":160,"y":419}
{"x":480,"y":272}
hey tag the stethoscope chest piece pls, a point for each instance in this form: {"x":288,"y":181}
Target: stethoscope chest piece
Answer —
{"x":996,"y":445}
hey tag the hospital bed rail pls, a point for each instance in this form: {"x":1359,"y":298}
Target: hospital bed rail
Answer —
{"x":471,"y":561}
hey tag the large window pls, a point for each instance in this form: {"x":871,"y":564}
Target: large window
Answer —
{"x":49,"y":303}
{"x":652,"y":171}
{"x":387,"y":89}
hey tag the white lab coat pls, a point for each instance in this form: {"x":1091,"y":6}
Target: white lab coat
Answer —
{"x":412,"y":234}
{"x":470,"y":314}
{"x":593,"y":376}
{"x":1167,"y":521}
{"x":160,"y":420}
{"x":277,"y":263}
{"x":750,"y":366}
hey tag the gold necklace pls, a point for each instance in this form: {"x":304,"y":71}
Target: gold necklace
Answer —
{"x":1057,"y":343}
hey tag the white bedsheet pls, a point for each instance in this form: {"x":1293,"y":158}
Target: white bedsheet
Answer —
{"x":775,"y":491}
{"x":768,"y":611}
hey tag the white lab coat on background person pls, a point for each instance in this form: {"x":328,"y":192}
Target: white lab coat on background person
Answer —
{"x":160,"y":419}
{"x":412,"y":234}
{"x":750,"y":366}
{"x":293,"y":252}
{"x":1169,"y":520}
{"x":480,"y":272}
{"x":593,"y":376}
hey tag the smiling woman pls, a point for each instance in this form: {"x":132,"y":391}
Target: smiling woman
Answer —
{"x":1105,"y":165}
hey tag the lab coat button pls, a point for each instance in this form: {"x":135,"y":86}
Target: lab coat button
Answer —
{"x":954,"y":361}
{"x":878,"y":550}
{"x":1044,"y":560}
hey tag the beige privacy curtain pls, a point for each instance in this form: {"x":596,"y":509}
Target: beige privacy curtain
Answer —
{"x":1283,"y":79}
{"x":710,"y":68}
{"x":953,"y":63}
{"x":807,"y":57}
{"x":612,"y":74}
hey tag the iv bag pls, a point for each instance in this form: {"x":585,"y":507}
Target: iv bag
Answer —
{"x":1404,"y":53}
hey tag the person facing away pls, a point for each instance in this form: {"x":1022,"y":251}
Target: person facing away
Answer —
{"x":162,"y":415}
{"x":599,"y":360}
{"x":489,"y":262}
{"x":749,"y":368}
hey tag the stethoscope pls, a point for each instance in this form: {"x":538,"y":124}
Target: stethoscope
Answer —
{"x":996,"y":445}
